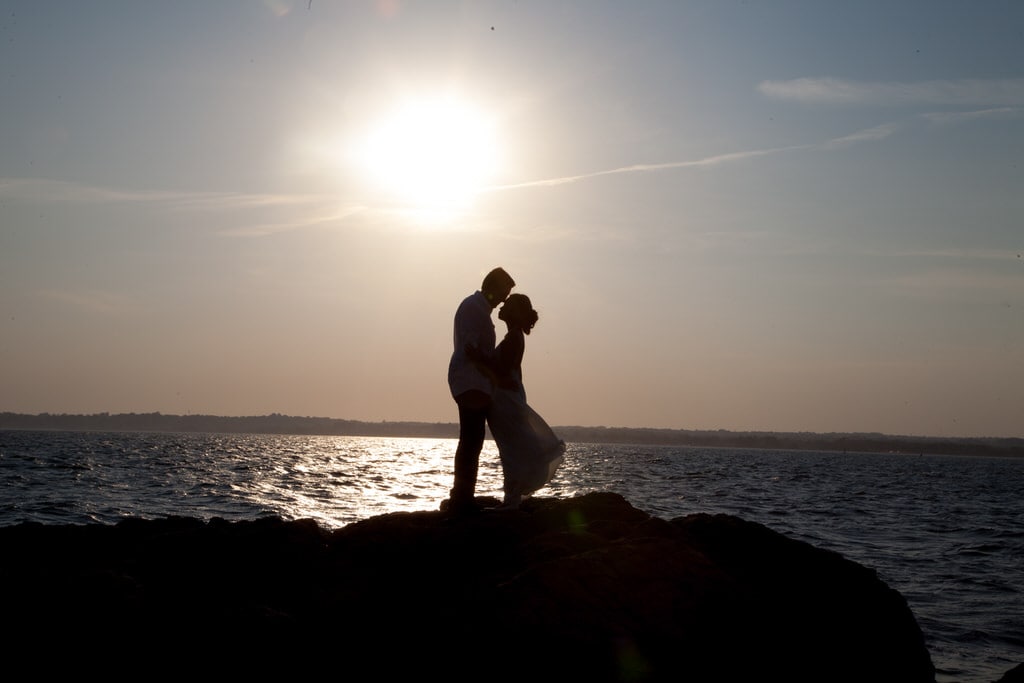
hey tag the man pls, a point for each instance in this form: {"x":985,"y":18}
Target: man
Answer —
{"x":470,"y":386}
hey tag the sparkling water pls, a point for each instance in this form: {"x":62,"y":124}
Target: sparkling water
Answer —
{"x":947,"y":532}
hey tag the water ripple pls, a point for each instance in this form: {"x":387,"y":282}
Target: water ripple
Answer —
{"x":946,"y":531}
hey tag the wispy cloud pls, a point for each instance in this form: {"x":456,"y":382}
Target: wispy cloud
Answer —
{"x":968,"y":92}
{"x":92,"y":301}
{"x":640,"y":168}
{"x":956,"y":117}
{"x":872,"y":134}
{"x":321,"y":208}
{"x":42,"y":189}
{"x":309,"y":220}
{"x":304,"y":210}
{"x":867,"y":135}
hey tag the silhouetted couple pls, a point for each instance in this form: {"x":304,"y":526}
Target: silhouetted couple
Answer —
{"x":486,"y":381}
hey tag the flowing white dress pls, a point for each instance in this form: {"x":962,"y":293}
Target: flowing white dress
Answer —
{"x":530,"y":451}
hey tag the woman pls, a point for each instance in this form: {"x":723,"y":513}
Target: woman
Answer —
{"x":530,"y":452}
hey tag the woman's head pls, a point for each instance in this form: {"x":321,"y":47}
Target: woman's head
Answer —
{"x":517,"y":311}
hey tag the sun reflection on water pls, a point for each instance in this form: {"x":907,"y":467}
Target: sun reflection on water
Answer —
{"x":339,"y":480}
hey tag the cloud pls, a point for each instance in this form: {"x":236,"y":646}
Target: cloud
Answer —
{"x":956,"y":117}
{"x":639,"y":168}
{"x":44,"y":190}
{"x":872,"y":134}
{"x":92,"y":301}
{"x":867,"y":135}
{"x":322,"y":208}
{"x":967,"y":92}
{"x":308,"y":221}
{"x":41,"y":189}
{"x":311,"y":209}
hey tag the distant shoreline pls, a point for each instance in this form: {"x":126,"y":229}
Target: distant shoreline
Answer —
{"x":276,"y":423}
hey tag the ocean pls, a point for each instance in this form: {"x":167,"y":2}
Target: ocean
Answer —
{"x":947,"y":532}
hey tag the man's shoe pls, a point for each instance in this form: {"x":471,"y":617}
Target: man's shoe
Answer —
{"x":460,"y":508}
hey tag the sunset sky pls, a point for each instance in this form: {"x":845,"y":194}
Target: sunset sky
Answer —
{"x":741,"y":215}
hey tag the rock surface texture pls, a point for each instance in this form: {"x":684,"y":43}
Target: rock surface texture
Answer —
{"x":588,"y":588}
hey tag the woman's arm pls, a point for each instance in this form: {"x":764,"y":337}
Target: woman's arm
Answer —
{"x":510,"y":359}
{"x":501,"y":366}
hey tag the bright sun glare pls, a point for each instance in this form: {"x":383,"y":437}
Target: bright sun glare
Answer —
{"x":430,"y":154}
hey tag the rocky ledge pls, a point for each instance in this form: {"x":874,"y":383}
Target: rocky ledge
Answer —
{"x":588,"y":588}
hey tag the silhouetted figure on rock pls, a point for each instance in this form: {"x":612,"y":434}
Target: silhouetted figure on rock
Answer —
{"x":470,"y":385}
{"x":530,"y":451}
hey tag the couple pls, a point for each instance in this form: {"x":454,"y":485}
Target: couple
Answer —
{"x":486,"y":382}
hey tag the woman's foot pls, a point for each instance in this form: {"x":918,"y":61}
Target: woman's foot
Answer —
{"x":511,"y":502}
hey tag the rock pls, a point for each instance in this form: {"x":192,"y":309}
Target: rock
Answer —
{"x":1014,"y":675}
{"x":587,"y":587}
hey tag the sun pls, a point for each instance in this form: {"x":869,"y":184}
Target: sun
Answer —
{"x":430,"y":153}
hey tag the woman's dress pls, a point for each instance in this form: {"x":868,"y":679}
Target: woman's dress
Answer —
{"x":530,"y":451}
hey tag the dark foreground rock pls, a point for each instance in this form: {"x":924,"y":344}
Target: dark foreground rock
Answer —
{"x":1014,"y":675}
{"x":588,"y":588}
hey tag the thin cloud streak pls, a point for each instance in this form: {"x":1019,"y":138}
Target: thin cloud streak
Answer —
{"x":320,"y":208}
{"x":287,"y":226}
{"x":999,"y":92}
{"x":51,"y":190}
{"x":44,"y":190}
{"x":867,"y":135}
{"x":636,"y":168}
{"x":91,"y":301}
{"x":873,"y":134}
{"x":956,"y":117}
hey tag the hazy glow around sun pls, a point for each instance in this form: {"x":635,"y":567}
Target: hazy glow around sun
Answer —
{"x":432,"y":153}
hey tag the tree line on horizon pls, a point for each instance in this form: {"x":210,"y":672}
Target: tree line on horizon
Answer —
{"x":276,"y":423}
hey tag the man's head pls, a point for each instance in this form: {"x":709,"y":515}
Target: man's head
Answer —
{"x":496,"y":286}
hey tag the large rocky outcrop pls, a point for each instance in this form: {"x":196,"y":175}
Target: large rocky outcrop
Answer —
{"x":587,"y":587}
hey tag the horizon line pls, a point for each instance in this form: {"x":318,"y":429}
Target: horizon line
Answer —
{"x":108,"y":415}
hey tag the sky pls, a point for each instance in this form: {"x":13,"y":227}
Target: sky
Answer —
{"x":752,"y":216}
